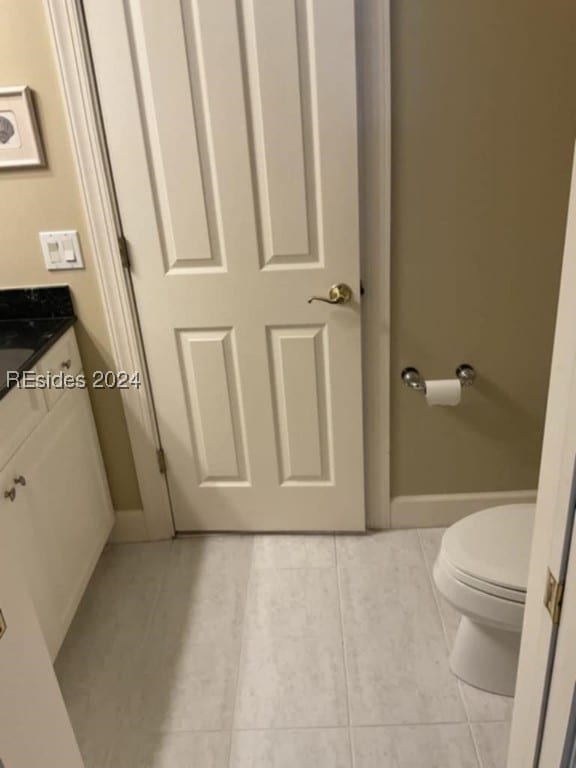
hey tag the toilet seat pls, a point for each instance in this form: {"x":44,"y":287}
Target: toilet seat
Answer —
{"x":475,"y":582}
{"x":490,"y":550}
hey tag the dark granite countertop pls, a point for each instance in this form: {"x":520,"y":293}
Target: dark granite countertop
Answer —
{"x":31,"y":321}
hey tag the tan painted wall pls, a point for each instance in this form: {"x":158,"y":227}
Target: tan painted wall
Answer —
{"x":484,"y":122}
{"x":36,"y":200}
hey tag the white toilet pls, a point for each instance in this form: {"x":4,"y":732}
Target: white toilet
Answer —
{"x":482,"y":571}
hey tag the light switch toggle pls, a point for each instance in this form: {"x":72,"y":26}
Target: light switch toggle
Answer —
{"x":61,"y":250}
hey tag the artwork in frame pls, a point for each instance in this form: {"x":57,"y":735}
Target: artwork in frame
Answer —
{"x":20,"y":142}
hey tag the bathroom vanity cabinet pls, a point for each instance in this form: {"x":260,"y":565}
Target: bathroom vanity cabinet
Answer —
{"x":55,"y":508}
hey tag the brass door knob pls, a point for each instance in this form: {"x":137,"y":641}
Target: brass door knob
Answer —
{"x":338,"y":294}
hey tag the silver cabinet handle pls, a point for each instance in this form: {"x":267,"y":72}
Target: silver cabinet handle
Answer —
{"x":11,"y":494}
{"x":20,"y":480}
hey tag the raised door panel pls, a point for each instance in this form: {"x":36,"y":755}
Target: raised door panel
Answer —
{"x":168,"y":103}
{"x":189,"y":66}
{"x":301,"y":404}
{"x":210,"y":375}
{"x":279,"y":89}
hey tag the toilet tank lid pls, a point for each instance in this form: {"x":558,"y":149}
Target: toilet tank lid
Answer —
{"x":493,"y":545}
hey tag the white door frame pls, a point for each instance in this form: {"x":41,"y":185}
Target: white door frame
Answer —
{"x":552,"y":513}
{"x":373,"y":32}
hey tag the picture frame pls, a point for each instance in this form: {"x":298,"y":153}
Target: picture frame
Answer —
{"x":20,"y":140}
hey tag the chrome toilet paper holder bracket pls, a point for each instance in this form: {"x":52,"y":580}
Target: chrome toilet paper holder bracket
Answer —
{"x":413,"y":378}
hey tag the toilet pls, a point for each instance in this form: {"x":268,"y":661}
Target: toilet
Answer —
{"x":482,"y":571}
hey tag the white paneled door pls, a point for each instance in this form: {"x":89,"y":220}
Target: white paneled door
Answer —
{"x":232,"y":132}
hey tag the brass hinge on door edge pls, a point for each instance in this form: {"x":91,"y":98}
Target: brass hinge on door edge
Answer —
{"x":553,"y":597}
{"x":124,"y":252}
{"x":161,"y":456}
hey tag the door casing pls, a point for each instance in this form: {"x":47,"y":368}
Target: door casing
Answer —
{"x":552,"y":513}
{"x":154,"y":521}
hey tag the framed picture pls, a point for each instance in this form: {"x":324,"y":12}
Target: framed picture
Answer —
{"x":20,"y":143}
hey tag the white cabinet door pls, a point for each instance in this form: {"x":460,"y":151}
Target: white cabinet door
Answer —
{"x":35,"y":731}
{"x":232,"y":133}
{"x":62,"y":515}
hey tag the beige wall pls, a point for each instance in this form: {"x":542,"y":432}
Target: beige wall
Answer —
{"x":484,"y":122}
{"x":36,"y":200}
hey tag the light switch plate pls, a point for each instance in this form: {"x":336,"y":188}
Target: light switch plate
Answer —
{"x":61,"y":250}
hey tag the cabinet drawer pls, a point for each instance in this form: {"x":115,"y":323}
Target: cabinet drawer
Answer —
{"x":64,"y":357}
{"x":21,"y":410}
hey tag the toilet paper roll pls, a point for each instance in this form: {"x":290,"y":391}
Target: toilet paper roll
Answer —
{"x":443,"y":392}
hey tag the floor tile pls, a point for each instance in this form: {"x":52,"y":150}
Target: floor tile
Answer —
{"x":281,"y":551}
{"x":420,"y":746}
{"x":191,"y":655}
{"x":431,"y":539}
{"x":288,"y":683}
{"x":310,"y":748}
{"x":204,"y":591}
{"x":482,"y":706}
{"x":185,"y":687}
{"x":171,"y":750}
{"x":396,"y":654}
{"x":98,"y":663}
{"x":292,"y":670}
{"x":492,"y":743}
{"x":372,"y":548}
{"x":214,"y":553}
{"x":294,"y":603}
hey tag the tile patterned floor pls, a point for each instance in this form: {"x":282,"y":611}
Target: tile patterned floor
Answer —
{"x":271,"y":652}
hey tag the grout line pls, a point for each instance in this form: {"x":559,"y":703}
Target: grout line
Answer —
{"x":442,"y":622}
{"x":476,"y":750}
{"x":344,"y":656}
{"x":139,"y":651}
{"x":325,"y":567}
{"x":241,"y":651}
{"x":365,"y":727}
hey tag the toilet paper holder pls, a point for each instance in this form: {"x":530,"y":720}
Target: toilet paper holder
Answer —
{"x":413,"y":378}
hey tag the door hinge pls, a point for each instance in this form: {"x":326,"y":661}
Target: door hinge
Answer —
{"x":161,"y":456}
{"x":553,"y":597}
{"x":124,"y":251}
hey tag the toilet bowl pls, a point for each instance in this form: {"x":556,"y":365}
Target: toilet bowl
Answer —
{"x":482,"y":571}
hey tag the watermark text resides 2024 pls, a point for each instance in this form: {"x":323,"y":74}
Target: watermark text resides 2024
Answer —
{"x":61,"y":380}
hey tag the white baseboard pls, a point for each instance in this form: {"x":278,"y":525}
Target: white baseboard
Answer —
{"x":130,"y":525}
{"x":440,"y":510}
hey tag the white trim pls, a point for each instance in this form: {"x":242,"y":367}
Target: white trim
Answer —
{"x":373,"y":44}
{"x":130,"y":525}
{"x":440,"y":510}
{"x":552,"y":511}
{"x":68,"y":37}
